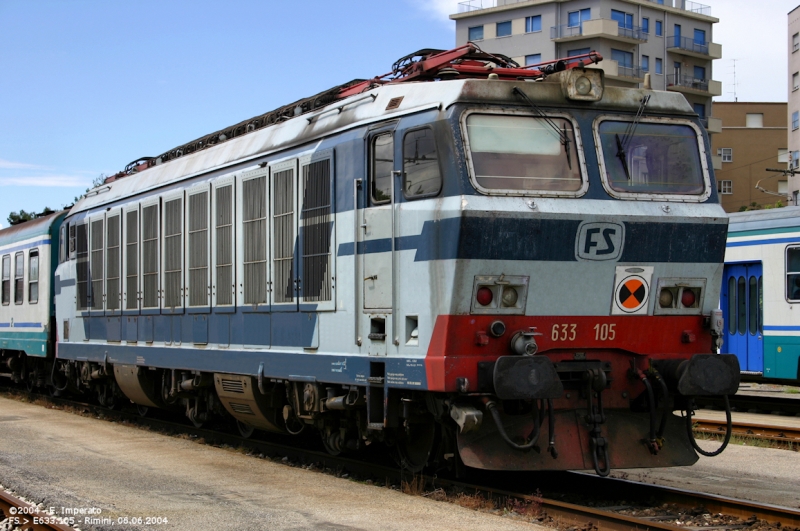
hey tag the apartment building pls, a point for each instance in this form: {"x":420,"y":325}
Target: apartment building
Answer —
{"x":793,"y":110}
{"x":669,"y":39}
{"x":753,"y":139}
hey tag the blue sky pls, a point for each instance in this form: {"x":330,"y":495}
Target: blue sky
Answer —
{"x":87,"y":86}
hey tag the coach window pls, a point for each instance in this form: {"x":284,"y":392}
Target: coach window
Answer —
{"x":19,"y":273}
{"x":523,"y":154}
{"x":62,"y":244}
{"x":33,"y":276}
{"x":6,"y":279}
{"x":421,"y":175}
{"x":793,"y":274}
{"x":381,"y":166}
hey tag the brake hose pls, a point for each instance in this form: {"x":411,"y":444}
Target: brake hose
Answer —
{"x":534,"y":435}
{"x":728,"y":429}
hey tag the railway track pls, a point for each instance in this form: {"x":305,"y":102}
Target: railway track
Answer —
{"x":560,"y":500}
{"x":766,"y":404}
{"x":16,"y":514}
{"x":783,"y":435}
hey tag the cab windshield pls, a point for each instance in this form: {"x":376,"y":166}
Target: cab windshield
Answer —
{"x":523,"y":153}
{"x":651,"y":158}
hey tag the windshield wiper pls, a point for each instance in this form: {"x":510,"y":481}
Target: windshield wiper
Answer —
{"x":622,"y":145}
{"x":562,"y":136}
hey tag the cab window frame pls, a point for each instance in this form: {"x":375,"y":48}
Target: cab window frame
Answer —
{"x":577,"y":147}
{"x":415,"y":197}
{"x":788,"y":273}
{"x":31,"y":281}
{"x":642,"y":196}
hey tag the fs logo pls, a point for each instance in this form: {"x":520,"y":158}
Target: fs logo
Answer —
{"x":599,"y":240}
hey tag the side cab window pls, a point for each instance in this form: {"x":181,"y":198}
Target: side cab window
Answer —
{"x":421,"y":174}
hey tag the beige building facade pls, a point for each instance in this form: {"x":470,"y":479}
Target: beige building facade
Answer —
{"x":672,"y":40}
{"x":753,"y":138}
{"x":793,"y":111}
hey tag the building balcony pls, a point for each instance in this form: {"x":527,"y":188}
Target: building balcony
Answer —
{"x":598,"y":28}
{"x":692,"y":48}
{"x":712,"y":125}
{"x":686,"y":5}
{"x":693,"y":85}
{"x":613,"y":70}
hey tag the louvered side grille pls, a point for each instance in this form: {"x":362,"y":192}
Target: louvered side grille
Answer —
{"x":224,"y":245}
{"x":173,"y":256}
{"x":254,"y":239}
{"x":243,"y":409}
{"x":132,"y":260}
{"x":150,"y":256}
{"x":96,"y":269}
{"x":112,"y":263}
{"x":233,"y":386}
{"x":82,"y":265}
{"x":198,"y":249}
{"x":283,"y":234}
{"x":317,"y":222}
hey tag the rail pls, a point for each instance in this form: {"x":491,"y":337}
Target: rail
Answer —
{"x":687,"y":43}
{"x":23,"y":515}
{"x":684,"y":5}
{"x":678,"y":80}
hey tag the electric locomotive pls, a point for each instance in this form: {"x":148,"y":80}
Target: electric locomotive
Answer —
{"x":464,"y":259}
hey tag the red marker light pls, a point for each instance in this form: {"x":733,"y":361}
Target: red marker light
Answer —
{"x":688,"y":298}
{"x":484,"y":296}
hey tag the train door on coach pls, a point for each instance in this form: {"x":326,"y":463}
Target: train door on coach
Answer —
{"x":743,"y":310}
{"x":375,"y":235}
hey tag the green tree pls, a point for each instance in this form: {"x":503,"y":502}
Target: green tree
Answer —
{"x":15,"y":218}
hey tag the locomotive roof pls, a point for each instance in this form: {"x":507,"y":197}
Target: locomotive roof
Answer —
{"x":29,"y":229}
{"x":363,"y":109}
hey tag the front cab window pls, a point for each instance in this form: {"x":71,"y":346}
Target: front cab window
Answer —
{"x":656,"y":158}
{"x":523,"y":154}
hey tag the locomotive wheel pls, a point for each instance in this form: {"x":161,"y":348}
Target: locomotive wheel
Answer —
{"x":245,"y":430}
{"x":415,"y":442}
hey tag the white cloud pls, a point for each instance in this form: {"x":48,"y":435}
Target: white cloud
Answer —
{"x":57,"y":181}
{"x":10,"y":165}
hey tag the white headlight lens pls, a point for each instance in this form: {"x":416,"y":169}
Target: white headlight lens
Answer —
{"x":583,"y":86}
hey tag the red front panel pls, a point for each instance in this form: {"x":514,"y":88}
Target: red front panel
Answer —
{"x":460,"y":342}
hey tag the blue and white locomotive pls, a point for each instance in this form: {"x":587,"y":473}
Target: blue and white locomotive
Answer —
{"x":465,"y":259}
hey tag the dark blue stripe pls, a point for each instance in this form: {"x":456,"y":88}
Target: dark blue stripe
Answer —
{"x":794,"y":239}
{"x":26,"y":246}
{"x":787,"y":328}
{"x":27,"y":325}
{"x":330,"y":368}
{"x":536,"y":239}
{"x":5,"y":325}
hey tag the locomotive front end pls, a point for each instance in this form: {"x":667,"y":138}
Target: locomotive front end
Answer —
{"x":584,"y":316}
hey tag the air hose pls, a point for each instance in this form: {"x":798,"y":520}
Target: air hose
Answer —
{"x":533,"y":437}
{"x":728,"y":429}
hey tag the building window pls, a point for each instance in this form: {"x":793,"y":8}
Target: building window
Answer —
{"x":578,"y":51}
{"x":476,"y":33}
{"x":754,"y":120}
{"x":795,"y":120}
{"x":576,"y":18}
{"x":726,"y":153}
{"x":645,"y":25}
{"x":700,"y":73}
{"x":19,"y":273}
{"x":623,"y":58}
{"x":796,"y":81}
{"x":533,"y":24}
{"x":725,"y":187}
{"x":783,"y":155}
{"x":700,"y":109}
{"x":795,"y":42}
{"x":794,"y":160}
{"x":645,"y":63}
{"x":659,"y":28}
{"x":625,"y":20}
{"x":659,"y":66}
{"x":700,"y":37}
{"x":503,"y":29}
{"x":6,"y":279}
{"x":533,"y":59}
{"x":793,"y":273}
{"x":33,"y":276}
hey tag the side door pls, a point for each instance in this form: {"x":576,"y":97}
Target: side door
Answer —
{"x":742,"y":301}
{"x":376,"y":242}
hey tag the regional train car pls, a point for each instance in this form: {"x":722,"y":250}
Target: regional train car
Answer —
{"x":464,"y":259}
{"x":28,"y":256}
{"x":760,"y":290}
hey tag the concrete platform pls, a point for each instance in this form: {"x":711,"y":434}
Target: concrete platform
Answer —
{"x":66,"y":460}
